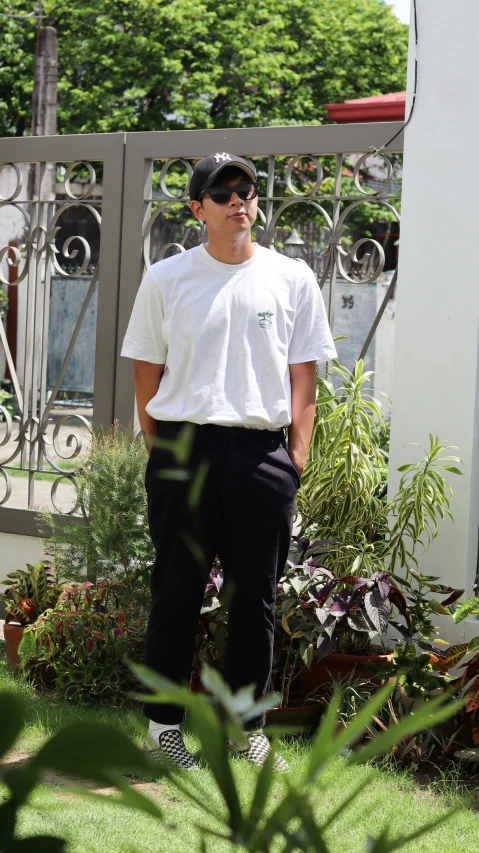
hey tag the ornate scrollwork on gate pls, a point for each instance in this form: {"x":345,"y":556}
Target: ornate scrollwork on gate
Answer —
{"x":33,"y":441}
{"x":355,"y":258}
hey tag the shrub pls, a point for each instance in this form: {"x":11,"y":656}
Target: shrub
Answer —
{"x":7,"y":400}
{"x":85,"y":639}
{"x":113,"y":542}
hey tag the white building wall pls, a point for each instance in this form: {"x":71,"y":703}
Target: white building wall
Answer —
{"x":435,"y":386}
{"x":384,"y":345}
{"x":16,"y":551}
{"x":11,"y":228}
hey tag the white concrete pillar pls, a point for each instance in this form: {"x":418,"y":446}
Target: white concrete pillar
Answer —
{"x":435,"y":385}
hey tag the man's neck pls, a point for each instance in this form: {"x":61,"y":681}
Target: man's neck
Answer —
{"x":230,"y":251}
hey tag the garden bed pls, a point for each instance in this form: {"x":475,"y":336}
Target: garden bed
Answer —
{"x":397,"y":798}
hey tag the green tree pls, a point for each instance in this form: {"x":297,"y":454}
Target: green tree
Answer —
{"x":156,"y":65}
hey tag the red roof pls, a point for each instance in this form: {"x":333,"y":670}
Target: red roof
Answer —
{"x":379,"y":108}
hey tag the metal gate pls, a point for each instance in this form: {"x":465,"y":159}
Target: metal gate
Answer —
{"x":133,"y":189}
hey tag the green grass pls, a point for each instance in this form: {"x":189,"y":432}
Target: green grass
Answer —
{"x":68,"y":465}
{"x":390,"y":797}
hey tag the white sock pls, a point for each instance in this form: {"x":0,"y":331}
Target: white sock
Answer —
{"x":241,"y":747}
{"x":157,"y":729}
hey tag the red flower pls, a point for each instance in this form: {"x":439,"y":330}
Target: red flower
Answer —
{"x":117,"y":632}
{"x":90,"y":645}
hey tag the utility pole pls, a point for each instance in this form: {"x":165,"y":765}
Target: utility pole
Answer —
{"x":44,"y":103}
{"x":44,"y":113}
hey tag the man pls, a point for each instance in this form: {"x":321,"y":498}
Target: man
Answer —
{"x":225,"y":336}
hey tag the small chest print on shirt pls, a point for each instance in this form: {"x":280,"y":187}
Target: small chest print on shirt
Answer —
{"x":265,"y":319}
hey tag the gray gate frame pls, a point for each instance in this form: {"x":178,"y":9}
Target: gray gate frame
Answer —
{"x":127,"y":188}
{"x":109,"y":148}
{"x":143,"y":148}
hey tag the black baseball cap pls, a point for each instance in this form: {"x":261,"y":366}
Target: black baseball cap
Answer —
{"x":206,"y":171}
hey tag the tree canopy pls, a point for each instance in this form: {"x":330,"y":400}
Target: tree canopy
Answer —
{"x":168,"y":64}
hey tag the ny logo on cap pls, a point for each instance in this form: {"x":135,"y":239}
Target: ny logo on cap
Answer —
{"x":222,"y":156}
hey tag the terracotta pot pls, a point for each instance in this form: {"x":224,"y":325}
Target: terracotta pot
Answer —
{"x":296,"y":716}
{"x":13,"y":634}
{"x":340,"y":666}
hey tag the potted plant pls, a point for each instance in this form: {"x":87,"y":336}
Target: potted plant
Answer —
{"x":330,"y":624}
{"x":342,"y":500}
{"x":28,"y":595}
{"x":299,"y":632}
{"x":84,"y":638}
{"x":424,"y":668}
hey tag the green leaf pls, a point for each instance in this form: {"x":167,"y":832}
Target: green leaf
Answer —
{"x":204,"y":724}
{"x":364,"y":716}
{"x":402,"y":841}
{"x":467,"y":608}
{"x":263,"y":787}
{"x":129,"y":798}
{"x":182,"y":447}
{"x":437,"y":607}
{"x":347,"y":801}
{"x":12,"y":720}
{"x":452,"y":469}
{"x":164,"y":690}
{"x":180,"y":474}
{"x":89,"y":750}
{"x":298,"y":584}
{"x":322,"y":747}
{"x":309,"y":826}
{"x":307,"y":654}
{"x":454,"y":655}
{"x":379,"y":844}
{"x":426,"y":717}
{"x":197,"y":486}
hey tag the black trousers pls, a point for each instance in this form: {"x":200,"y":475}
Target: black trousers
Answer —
{"x":244,"y":515}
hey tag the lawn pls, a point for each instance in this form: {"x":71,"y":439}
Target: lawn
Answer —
{"x":90,"y":827}
{"x":68,"y":465}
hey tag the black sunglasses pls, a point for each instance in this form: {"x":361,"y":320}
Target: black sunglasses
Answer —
{"x":222,"y":195}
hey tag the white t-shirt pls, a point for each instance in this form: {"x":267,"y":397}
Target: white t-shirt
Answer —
{"x":226,"y":334}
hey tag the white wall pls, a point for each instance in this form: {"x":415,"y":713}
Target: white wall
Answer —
{"x":11,"y":228}
{"x":16,"y":551}
{"x":384,"y":349}
{"x":437,"y":312}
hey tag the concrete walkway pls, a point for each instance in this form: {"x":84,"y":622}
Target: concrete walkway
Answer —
{"x":65,"y":491}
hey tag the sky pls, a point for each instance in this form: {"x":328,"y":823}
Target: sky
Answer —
{"x":402,"y":9}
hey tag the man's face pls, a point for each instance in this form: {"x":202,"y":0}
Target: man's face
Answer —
{"x":236,"y":216}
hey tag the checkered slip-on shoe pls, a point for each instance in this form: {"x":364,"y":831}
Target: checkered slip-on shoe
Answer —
{"x":171,"y":750}
{"x":257,"y":751}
